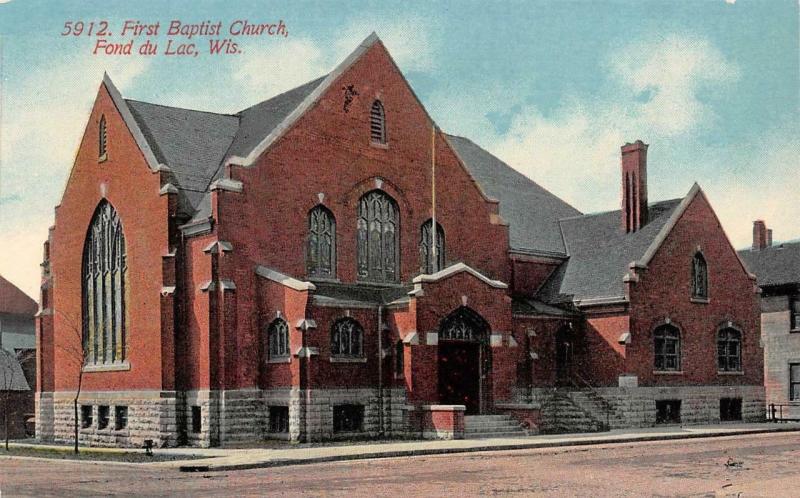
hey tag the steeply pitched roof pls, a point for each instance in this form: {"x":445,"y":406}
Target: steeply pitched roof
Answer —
{"x":13,"y":300}
{"x":600,"y":252}
{"x":776,"y":265}
{"x":12,"y":378}
{"x":531,"y":211}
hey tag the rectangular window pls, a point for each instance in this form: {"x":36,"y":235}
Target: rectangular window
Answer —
{"x":730,"y":409}
{"x":102,"y":416}
{"x":197,"y":422}
{"x":120,"y":417}
{"x":86,"y":416}
{"x":668,"y":411}
{"x":794,"y":313}
{"x":794,"y":382}
{"x":278,"y":419}
{"x":348,"y":418}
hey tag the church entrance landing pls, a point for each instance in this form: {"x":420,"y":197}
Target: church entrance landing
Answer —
{"x":464,"y":359}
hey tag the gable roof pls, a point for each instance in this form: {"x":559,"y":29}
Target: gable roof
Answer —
{"x":531,"y":211}
{"x":12,"y":378}
{"x":775,"y":265}
{"x":14,"y":301}
{"x":600,"y":253}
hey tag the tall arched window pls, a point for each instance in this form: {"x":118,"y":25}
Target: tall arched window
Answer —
{"x":278,"y":339}
{"x":321,"y":250}
{"x":377,"y":236}
{"x":377,"y":123}
{"x":699,"y":277}
{"x":667,"y":343}
{"x":105,"y":278}
{"x":428,"y":262}
{"x":347,"y":338}
{"x":729,"y":350}
{"x":102,"y":138}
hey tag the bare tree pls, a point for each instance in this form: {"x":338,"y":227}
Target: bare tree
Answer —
{"x":9,"y":374}
{"x":76,"y":351}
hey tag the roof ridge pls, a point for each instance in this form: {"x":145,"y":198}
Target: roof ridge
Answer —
{"x":600,"y":213}
{"x":181,"y":108}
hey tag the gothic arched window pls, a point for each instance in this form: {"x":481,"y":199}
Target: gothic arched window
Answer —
{"x":429,"y":263}
{"x":102,"y":137}
{"x":667,"y":344}
{"x":347,"y":338}
{"x":377,"y":237}
{"x":377,"y":123}
{"x":105,"y":278}
{"x":278,"y":339}
{"x":321,"y":250}
{"x":699,"y":276}
{"x":729,"y":350}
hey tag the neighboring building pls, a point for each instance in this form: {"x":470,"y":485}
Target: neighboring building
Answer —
{"x":278,"y":273}
{"x":17,"y":357}
{"x":777,"y":268}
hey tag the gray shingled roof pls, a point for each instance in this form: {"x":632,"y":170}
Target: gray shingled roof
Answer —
{"x":600,"y":252}
{"x":530,"y":210}
{"x":12,"y":378}
{"x":776,"y":265}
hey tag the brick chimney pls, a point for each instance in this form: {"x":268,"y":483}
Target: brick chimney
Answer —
{"x":634,"y":186}
{"x":761,"y":235}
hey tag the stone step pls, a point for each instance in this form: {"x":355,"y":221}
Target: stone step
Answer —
{"x":488,"y":435}
{"x":474,"y":418}
{"x":496,"y":428}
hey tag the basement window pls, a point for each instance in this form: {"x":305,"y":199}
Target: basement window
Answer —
{"x":102,"y":416}
{"x":86,"y":416}
{"x":278,"y":419}
{"x":197,"y":421}
{"x":668,"y":411}
{"x":348,"y":418}
{"x":730,"y":409}
{"x":120,"y":417}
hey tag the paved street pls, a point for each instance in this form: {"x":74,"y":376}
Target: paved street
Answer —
{"x":753,"y":465}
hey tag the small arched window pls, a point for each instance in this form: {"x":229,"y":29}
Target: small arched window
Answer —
{"x":377,"y":123}
{"x":278,"y":339}
{"x":105,"y":279}
{"x":102,"y":139}
{"x":321,"y":250}
{"x":729,"y":350}
{"x":667,"y":345}
{"x":699,"y":277}
{"x":431,"y":263}
{"x":347,"y":339}
{"x":378,"y":243}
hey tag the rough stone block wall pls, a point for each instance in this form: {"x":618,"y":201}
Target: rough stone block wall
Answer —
{"x":44,"y":417}
{"x":321,"y":403}
{"x":151,"y":415}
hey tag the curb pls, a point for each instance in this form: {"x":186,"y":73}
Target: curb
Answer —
{"x":444,"y":451}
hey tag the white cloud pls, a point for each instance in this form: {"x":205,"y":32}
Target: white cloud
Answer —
{"x":407,"y":39}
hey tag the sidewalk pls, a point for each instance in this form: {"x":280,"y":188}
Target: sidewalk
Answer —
{"x":257,"y":458}
{"x":218,"y":459}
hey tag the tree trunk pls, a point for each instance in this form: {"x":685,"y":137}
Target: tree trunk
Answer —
{"x":75,"y":406}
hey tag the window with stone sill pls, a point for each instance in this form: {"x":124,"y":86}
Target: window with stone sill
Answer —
{"x":348,"y":418}
{"x":377,"y":238}
{"x":377,"y":123}
{"x":86,"y":416}
{"x":667,"y":348}
{"x":278,"y":339}
{"x":794,"y":313}
{"x":120,"y":417}
{"x":729,"y":350}
{"x":102,"y":417}
{"x":794,"y":382}
{"x":347,"y":339}
{"x":431,"y":263}
{"x":321,"y":243}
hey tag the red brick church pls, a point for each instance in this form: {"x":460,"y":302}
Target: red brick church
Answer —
{"x":282,"y":272}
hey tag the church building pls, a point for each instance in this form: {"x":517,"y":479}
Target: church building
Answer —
{"x":328,"y":264}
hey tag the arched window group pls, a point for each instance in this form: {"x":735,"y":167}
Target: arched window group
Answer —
{"x":347,"y":339}
{"x":667,"y":349}
{"x":278,"y":339}
{"x":699,"y":277}
{"x":104,"y":281}
{"x":432,"y":261}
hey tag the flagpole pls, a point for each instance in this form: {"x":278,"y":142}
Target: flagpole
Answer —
{"x":434,"y":258}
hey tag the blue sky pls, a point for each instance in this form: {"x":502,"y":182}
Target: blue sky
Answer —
{"x":554,"y":88}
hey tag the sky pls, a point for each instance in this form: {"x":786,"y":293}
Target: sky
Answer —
{"x":554,"y":88}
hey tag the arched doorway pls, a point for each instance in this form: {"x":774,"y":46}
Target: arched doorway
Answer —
{"x":465,"y":361}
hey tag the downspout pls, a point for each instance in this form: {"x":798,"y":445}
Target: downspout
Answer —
{"x":380,"y":370}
